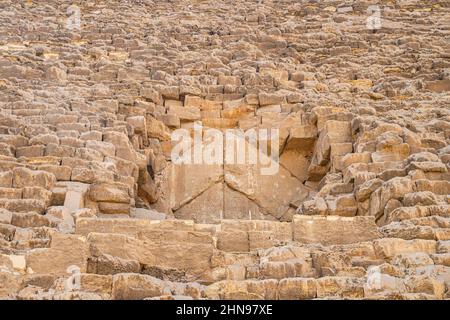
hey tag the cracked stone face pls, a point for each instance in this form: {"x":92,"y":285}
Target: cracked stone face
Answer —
{"x":339,"y":186}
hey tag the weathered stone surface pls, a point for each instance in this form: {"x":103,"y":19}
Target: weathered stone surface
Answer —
{"x":392,"y":247}
{"x":196,"y":209}
{"x":106,"y":264}
{"x":350,"y":201}
{"x":302,"y":138}
{"x":27,"y":178}
{"x":10,"y":284}
{"x":65,"y":251}
{"x":247,"y":290}
{"x":297,"y":288}
{"x":273,"y":194}
{"x":189,"y":181}
{"x":160,"y":249}
{"x":137,"y":287}
{"x":334,"y":230}
{"x":109,"y":193}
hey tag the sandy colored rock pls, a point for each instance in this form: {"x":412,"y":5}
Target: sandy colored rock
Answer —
{"x":343,"y":193}
{"x":334,"y":230}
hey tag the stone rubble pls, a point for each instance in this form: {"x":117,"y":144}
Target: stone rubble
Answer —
{"x":92,"y":207}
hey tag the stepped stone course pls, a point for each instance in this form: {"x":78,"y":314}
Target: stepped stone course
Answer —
{"x":93,"y":205}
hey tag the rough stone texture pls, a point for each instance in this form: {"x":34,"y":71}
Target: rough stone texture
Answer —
{"x":334,"y":230}
{"x":92,"y":206}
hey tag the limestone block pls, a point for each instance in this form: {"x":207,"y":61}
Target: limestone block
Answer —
{"x":406,"y":213}
{"x":297,"y":289}
{"x":392,"y":153}
{"x":333,"y":229}
{"x":114,"y":208}
{"x":11,"y":193}
{"x":194,"y":101}
{"x":187,"y":182}
{"x":185,"y":113}
{"x":365,"y":190}
{"x":137,"y":287}
{"x":101,"y":284}
{"x":10,"y":283}
{"x":233,"y":241}
{"x":30,"y":151}
{"x":348,"y":287}
{"x":238,"y":206}
{"x":65,"y":251}
{"x":105,"y":148}
{"x":207,"y":207}
{"x":106,"y":264}
{"x":44,"y":139}
{"x":273,"y":192}
{"x":302,"y":137}
{"x":23,"y":205}
{"x":160,"y":250}
{"x":151,"y":94}
{"x":27,"y":178}
{"x":246,"y":290}
{"x":157,"y":129}
{"x":38,"y":194}
{"x":61,"y":173}
{"x":114,"y":192}
{"x":388,"y":248}
{"x":342,"y":205}
{"x":270,"y":98}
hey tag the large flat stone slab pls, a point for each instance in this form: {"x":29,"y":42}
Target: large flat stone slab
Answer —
{"x":331,"y":230}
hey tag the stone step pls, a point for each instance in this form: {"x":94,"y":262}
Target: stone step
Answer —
{"x":406,"y":213}
{"x":358,"y":208}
